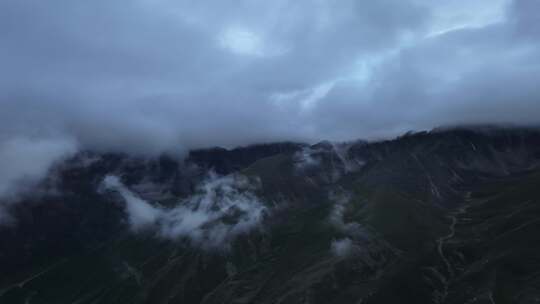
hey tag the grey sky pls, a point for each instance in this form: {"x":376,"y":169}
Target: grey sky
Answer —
{"x":147,"y":76}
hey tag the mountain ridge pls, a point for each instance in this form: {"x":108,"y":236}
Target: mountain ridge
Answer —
{"x":405,"y":220}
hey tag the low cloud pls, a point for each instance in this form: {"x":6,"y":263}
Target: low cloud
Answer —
{"x":223,"y":208}
{"x":341,"y":201}
{"x":140,"y":213}
{"x":342,"y":247}
{"x":24,"y":162}
{"x":337,"y":217}
{"x":306,"y":159}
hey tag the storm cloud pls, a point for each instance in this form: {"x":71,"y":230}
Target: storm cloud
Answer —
{"x":152,"y":76}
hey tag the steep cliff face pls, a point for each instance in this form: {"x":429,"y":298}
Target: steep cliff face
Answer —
{"x":448,"y":216}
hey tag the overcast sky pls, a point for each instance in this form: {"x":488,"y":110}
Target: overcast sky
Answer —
{"x":147,"y":76}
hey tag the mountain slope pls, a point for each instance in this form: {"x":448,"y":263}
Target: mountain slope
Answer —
{"x":448,"y":216}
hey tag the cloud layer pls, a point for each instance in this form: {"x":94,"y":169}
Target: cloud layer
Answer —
{"x":24,"y":162}
{"x":155,"y":75}
{"x":148,"y":76}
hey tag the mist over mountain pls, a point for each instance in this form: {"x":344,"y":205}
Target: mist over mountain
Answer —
{"x":447,"y":216}
{"x":250,"y":151}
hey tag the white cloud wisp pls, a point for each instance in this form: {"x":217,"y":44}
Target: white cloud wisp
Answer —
{"x":223,"y":208}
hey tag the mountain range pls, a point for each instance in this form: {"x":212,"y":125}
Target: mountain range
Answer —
{"x":446,"y":216}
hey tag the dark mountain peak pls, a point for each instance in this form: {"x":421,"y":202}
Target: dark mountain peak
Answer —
{"x":323,"y":145}
{"x":224,"y":161}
